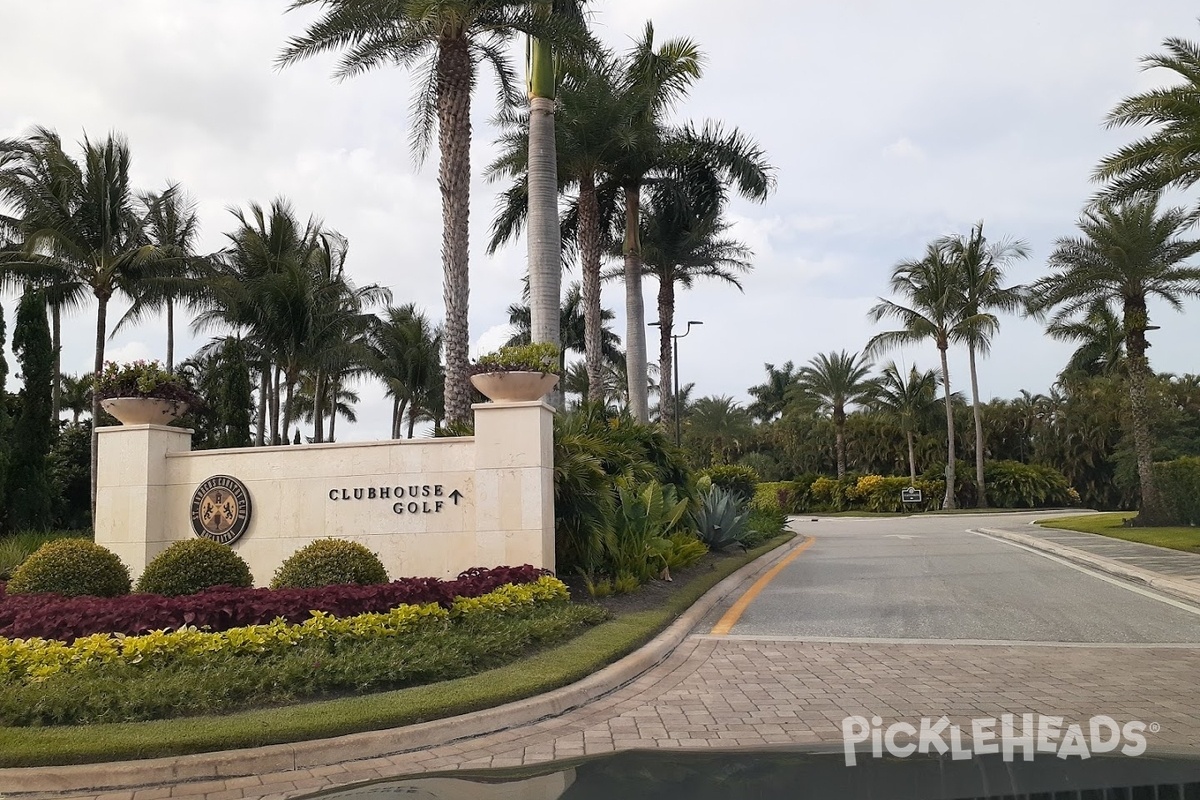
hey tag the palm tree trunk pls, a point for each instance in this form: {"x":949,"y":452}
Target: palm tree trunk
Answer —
{"x":400,"y":419}
{"x":978,"y":410}
{"x":98,"y":369}
{"x":319,"y":406}
{"x":56,"y":388}
{"x":912,"y":460}
{"x":275,"y":406}
{"x":1153,"y":510}
{"x":395,"y":417}
{"x":542,"y":231}
{"x":264,"y":377}
{"x":290,"y":383}
{"x":413,"y":412}
{"x":948,"y":501}
{"x":170,"y":336}
{"x":839,"y":440}
{"x":333,"y":412}
{"x":666,"y":327}
{"x":589,"y":262}
{"x":635,"y":311}
{"x":454,"y":77}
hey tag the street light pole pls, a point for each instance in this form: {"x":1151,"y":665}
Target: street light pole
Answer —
{"x":675,"y":337}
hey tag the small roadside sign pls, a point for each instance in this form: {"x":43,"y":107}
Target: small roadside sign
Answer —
{"x":911,"y":495}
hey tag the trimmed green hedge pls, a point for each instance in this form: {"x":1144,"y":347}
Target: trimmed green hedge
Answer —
{"x":1179,"y":485}
{"x":71,"y":567}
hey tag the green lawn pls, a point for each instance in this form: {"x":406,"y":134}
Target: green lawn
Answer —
{"x":549,"y":669}
{"x":1182,"y":538}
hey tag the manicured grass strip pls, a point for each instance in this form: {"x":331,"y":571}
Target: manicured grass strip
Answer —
{"x":542,"y":672}
{"x":1176,"y":537}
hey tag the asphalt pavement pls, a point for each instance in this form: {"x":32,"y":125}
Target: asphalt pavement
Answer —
{"x":934,"y":578}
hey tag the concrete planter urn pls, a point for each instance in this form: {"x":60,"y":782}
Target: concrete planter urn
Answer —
{"x":144,"y":410}
{"x":514,"y":386}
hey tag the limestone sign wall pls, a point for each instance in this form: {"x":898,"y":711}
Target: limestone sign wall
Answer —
{"x":428,"y":507}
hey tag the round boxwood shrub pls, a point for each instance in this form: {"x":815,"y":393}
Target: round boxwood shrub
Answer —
{"x":71,"y":567}
{"x":193,"y":565}
{"x":329,"y":562}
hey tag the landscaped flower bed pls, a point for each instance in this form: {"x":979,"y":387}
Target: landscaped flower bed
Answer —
{"x":113,"y":677}
{"x":32,"y":660}
{"x":50,"y":616}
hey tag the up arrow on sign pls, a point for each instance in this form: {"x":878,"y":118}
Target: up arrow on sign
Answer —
{"x":455,"y":496}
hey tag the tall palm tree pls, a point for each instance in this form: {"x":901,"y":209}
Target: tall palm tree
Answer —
{"x":719,"y":427}
{"x":1169,"y":156}
{"x":909,"y":398}
{"x":981,"y":272}
{"x":931,"y":309}
{"x":81,"y":229}
{"x":1129,"y":252}
{"x":445,"y":40}
{"x":837,"y":380}
{"x":172,"y":225}
{"x":682,"y":242}
{"x":591,"y":109}
{"x":772,"y":397}
{"x":543,"y":239}
{"x":655,"y":79}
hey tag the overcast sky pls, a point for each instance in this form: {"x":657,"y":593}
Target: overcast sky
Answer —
{"x":890,"y":124}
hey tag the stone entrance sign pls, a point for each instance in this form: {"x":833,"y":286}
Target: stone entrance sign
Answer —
{"x":430,"y":507}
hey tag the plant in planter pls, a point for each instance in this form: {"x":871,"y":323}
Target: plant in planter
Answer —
{"x":517,"y":372}
{"x":142,"y":392}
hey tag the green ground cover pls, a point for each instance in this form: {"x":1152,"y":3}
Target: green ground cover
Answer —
{"x":1183,"y":538}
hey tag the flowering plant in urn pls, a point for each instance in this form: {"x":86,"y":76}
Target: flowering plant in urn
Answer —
{"x":143,"y":392}
{"x":517,"y":373}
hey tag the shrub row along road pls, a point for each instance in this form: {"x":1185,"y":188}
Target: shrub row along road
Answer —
{"x":932,"y":578}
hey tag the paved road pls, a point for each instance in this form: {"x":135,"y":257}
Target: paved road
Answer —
{"x":930,"y":578}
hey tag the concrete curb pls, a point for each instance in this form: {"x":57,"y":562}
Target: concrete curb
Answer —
{"x":1177,"y":587}
{"x":117,"y":775}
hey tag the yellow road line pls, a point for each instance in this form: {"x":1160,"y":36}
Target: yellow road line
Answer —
{"x":731,"y":617}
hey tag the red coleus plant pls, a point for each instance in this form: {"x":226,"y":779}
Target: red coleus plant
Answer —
{"x":52,"y":616}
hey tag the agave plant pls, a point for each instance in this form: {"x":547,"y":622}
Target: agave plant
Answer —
{"x":721,"y":521}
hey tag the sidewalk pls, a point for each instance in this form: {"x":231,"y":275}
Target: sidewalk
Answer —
{"x":1170,"y":571}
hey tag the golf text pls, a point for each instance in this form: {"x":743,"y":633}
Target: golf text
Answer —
{"x":1029,"y":733}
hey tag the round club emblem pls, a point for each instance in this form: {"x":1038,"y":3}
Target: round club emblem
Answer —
{"x":221,"y":509}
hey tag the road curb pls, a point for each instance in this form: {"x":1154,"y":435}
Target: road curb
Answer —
{"x":1177,"y":587}
{"x":125,"y":775}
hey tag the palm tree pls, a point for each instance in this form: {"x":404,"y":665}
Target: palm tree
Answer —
{"x":591,"y":109}
{"x":654,"y":80}
{"x":447,"y":39}
{"x":76,"y":395}
{"x":681,"y":243}
{"x":1129,"y":252}
{"x":171,"y":224}
{"x":81,"y":230}
{"x":405,"y":355}
{"x":931,"y":309}
{"x":1170,"y":155}
{"x":573,"y":328}
{"x":1101,"y":340}
{"x":719,"y":427}
{"x":837,"y":380}
{"x":544,"y":243}
{"x":909,"y":398}
{"x":981,"y":272}
{"x":772,"y":397}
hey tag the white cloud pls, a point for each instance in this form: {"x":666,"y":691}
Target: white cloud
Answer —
{"x":904,"y":149}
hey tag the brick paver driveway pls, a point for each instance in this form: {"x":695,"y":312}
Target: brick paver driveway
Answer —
{"x":901,"y":619}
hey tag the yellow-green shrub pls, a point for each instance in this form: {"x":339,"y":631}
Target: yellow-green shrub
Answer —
{"x":32,"y":660}
{"x":193,"y":565}
{"x":71,"y":567}
{"x":329,"y":562}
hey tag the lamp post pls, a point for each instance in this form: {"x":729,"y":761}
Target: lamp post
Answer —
{"x":675,"y":337}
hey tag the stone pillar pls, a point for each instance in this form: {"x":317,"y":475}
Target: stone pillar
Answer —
{"x":514,"y":484}
{"x":131,"y":506}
